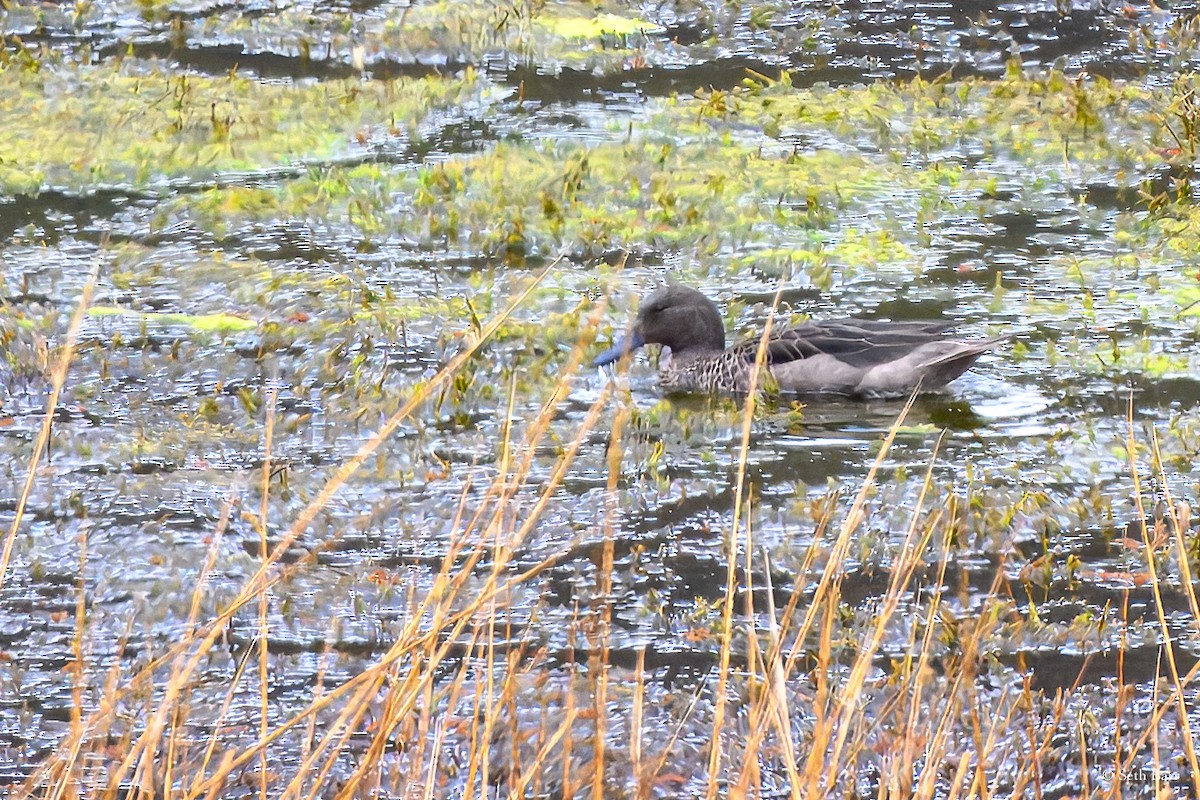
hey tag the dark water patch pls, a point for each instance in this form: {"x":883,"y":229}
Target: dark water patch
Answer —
{"x":858,"y":42}
{"x":223,"y":58}
{"x":570,"y":85}
{"x":284,"y":241}
{"x":1159,"y":392}
{"x":671,"y":512}
{"x":978,"y":38}
{"x":53,"y":214}
{"x":1051,"y":670}
{"x":467,"y":136}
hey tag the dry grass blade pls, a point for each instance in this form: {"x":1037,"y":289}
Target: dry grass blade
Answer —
{"x":911,"y":554}
{"x":817,"y":768}
{"x":1168,"y":645}
{"x":201,"y":639}
{"x":447,"y":626}
{"x":731,"y":551}
{"x":467,"y":695}
{"x":57,"y":378}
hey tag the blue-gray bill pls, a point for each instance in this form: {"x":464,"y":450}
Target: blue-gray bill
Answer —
{"x":626,"y":344}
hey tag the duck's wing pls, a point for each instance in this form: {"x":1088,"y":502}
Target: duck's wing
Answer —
{"x":860,"y":343}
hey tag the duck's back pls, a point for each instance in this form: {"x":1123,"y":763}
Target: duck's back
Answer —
{"x":864,"y":357}
{"x":859,"y":343}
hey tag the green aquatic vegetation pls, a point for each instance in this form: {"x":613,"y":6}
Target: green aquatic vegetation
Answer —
{"x":133,"y":124}
{"x":1175,"y":226}
{"x":570,"y":26}
{"x":579,"y":34}
{"x":586,"y":35}
{"x":210,"y":323}
{"x":698,"y":174}
{"x":525,"y":198}
{"x":1180,"y":120}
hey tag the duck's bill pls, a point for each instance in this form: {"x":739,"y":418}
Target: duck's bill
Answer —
{"x":627,"y":344}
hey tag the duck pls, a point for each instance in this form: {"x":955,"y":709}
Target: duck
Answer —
{"x":851,"y":357}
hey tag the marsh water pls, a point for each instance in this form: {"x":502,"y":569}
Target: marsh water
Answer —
{"x":435,"y":160}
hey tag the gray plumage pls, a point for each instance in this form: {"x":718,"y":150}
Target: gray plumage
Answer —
{"x":856,"y":357}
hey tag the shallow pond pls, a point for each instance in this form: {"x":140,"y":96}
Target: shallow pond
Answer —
{"x":306,"y":223}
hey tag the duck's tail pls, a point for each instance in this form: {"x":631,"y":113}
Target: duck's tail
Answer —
{"x":942,"y":369}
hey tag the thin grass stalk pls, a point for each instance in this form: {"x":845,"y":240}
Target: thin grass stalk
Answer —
{"x":263,"y":628}
{"x":750,"y":773}
{"x":770,"y":706}
{"x":508,"y":694}
{"x":983,"y":750}
{"x":615,"y":454}
{"x":68,"y":777}
{"x":815,"y":766}
{"x":518,"y":790}
{"x":537,"y":431}
{"x":431,"y":772}
{"x":749,"y":780}
{"x":731,"y":555}
{"x":144,"y":775}
{"x":960,"y":774}
{"x":318,"y":691}
{"x":100,"y":736}
{"x":262,"y":579}
{"x":637,"y":719}
{"x":827,"y":587}
{"x":1083,"y":759}
{"x":916,"y":691}
{"x":481,"y":740}
{"x":902,"y":572}
{"x":981,"y":745}
{"x":1189,"y":744}
{"x":214,"y":549}
{"x":453,"y":696}
{"x":370,"y":765}
{"x":963,"y":678}
{"x":1154,"y":701}
{"x":777,"y":684}
{"x":227,"y":703}
{"x":798,"y":589}
{"x":1033,"y":766}
{"x":1119,"y":714}
{"x":568,"y":784}
{"x":178,"y":719}
{"x":666,"y":751}
{"x":492,"y":587}
{"x":58,"y":377}
{"x":1180,"y":516}
{"x":79,"y":665}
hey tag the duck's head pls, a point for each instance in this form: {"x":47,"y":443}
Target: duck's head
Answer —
{"x":678,"y":317}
